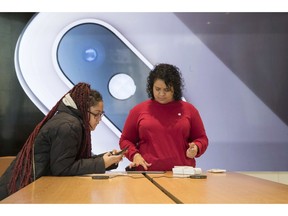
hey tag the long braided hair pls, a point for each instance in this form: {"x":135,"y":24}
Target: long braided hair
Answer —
{"x":22,"y":173}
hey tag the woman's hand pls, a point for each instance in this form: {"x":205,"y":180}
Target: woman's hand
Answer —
{"x":110,"y":159}
{"x":192,"y":151}
{"x":139,"y":160}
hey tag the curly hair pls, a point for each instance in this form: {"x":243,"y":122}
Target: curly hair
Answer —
{"x":84,"y":97}
{"x":172,"y":77}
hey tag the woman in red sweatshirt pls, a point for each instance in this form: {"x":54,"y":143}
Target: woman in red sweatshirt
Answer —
{"x":163,"y":131}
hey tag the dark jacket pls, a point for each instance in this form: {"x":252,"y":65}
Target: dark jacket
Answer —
{"x":56,"y":147}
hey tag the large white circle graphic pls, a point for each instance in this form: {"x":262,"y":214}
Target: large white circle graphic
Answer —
{"x":122,"y":86}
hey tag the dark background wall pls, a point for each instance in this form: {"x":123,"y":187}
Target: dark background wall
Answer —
{"x":18,"y":115}
{"x":254,"y":46}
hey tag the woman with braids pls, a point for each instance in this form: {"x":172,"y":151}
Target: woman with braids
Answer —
{"x":60,"y":144}
{"x":163,"y":131}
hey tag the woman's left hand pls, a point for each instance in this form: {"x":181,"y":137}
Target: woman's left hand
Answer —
{"x":192,"y":151}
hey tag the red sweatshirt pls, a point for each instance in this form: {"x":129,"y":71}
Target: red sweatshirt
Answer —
{"x":161,"y":133}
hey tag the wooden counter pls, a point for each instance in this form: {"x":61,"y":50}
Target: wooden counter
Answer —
{"x":223,"y":188}
{"x":119,"y":189}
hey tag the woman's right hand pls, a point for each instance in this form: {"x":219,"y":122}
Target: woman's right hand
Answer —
{"x":110,"y":159}
{"x":139,"y":160}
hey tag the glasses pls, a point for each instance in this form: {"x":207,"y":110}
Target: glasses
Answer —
{"x":97,"y":115}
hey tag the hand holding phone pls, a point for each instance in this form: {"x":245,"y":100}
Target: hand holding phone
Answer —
{"x":120,"y":152}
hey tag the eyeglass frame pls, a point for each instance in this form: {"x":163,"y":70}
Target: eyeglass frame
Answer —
{"x":98,"y":115}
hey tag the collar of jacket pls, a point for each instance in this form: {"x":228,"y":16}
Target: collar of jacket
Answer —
{"x":70,"y":110}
